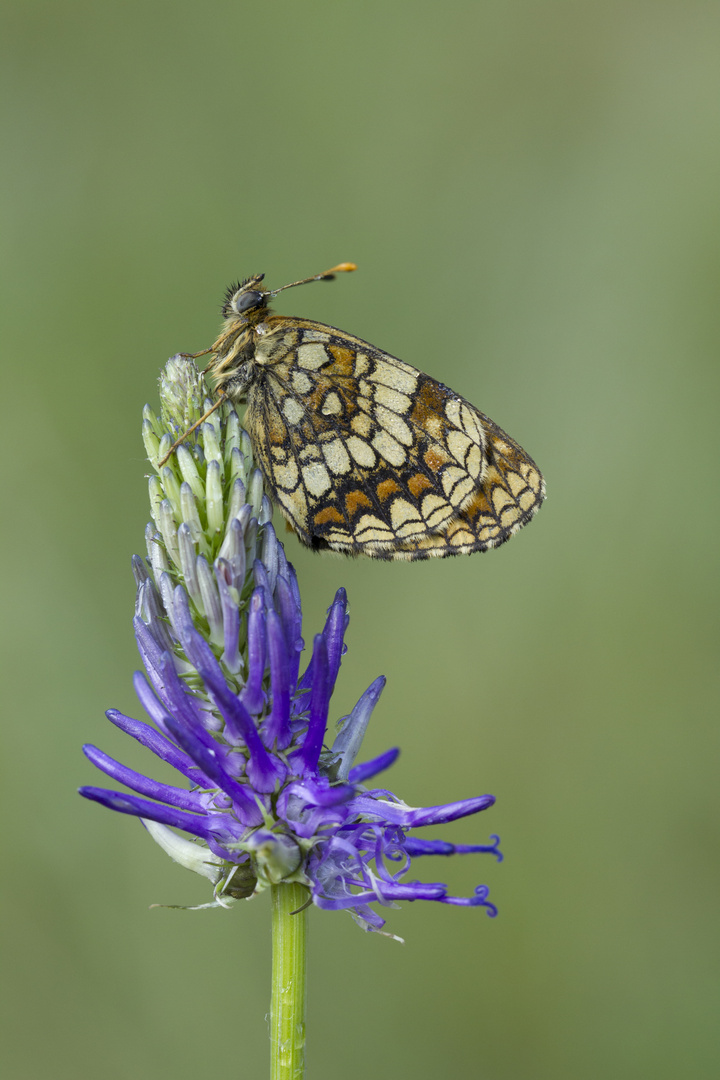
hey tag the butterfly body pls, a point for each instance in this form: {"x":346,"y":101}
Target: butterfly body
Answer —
{"x":361,"y":452}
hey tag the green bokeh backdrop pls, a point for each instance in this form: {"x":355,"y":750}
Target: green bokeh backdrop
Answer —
{"x":531,"y":193}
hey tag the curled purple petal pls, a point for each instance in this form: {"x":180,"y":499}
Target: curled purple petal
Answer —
{"x":230,"y":614}
{"x":262,"y":580}
{"x":414,"y":817}
{"x":150,"y":652}
{"x":478,"y":899}
{"x":198,"y":651}
{"x":233,"y":551}
{"x":349,"y":739}
{"x":253,"y":697}
{"x":158,"y":743}
{"x":308,"y":756}
{"x":131,"y":804}
{"x":291,"y":619}
{"x":276,"y":728}
{"x":269,"y":554}
{"x":414,"y":846}
{"x":360,"y":773}
{"x":334,"y":633}
{"x":184,"y":800}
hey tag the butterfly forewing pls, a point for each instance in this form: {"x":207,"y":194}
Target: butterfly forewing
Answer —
{"x":364,"y":454}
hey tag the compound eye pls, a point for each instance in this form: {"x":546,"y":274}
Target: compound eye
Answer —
{"x":247,"y":300}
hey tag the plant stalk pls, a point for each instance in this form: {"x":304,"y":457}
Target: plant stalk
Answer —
{"x":287,"y":1005}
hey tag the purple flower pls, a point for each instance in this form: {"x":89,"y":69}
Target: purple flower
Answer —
{"x":262,"y":794}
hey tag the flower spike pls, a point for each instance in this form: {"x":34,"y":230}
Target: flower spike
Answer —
{"x":270,"y":798}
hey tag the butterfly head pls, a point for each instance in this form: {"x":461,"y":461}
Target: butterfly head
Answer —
{"x":248,"y":303}
{"x":245,"y":300}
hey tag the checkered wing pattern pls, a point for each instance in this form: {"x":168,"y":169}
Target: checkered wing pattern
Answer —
{"x":364,"y":454}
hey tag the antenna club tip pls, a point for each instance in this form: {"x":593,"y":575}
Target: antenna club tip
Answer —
{"x":345,"y":267}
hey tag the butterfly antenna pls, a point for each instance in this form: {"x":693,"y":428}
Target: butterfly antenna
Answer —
{"x":183,"y":437}
{"x":341,"y":268}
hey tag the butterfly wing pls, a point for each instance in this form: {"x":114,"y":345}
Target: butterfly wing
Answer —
{"x":364,"y":454}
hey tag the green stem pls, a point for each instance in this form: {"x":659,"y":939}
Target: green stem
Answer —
{"x":287,"y":1005}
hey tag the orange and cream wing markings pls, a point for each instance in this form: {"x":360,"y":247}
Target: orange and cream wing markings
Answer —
{"x":363,"y":453}
{"x":366,"y":455}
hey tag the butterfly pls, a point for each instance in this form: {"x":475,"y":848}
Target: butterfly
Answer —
{"x":362,"y":453}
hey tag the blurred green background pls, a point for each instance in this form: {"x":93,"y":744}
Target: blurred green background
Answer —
{"x":531,"y":191}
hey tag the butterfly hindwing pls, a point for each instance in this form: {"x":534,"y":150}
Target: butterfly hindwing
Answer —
{"x":365,"y":454}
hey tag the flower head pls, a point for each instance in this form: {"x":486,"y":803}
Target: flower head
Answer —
{"x":218,"y":624}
